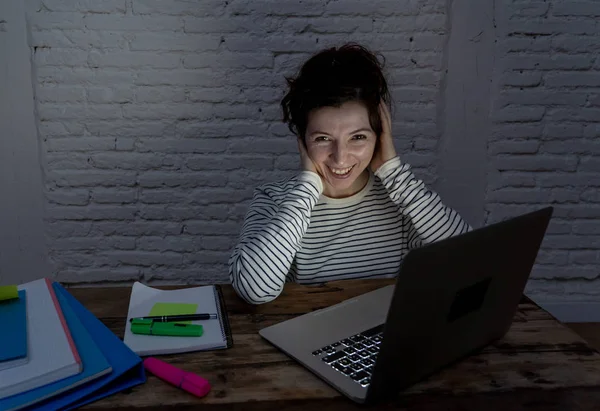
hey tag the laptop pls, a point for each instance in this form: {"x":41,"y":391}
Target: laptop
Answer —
{"x":451,"y":298}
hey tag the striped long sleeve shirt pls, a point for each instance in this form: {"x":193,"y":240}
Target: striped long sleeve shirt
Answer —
{"x":292,"y":232}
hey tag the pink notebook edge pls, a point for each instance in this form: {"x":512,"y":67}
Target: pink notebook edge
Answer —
{"x":64,"y":323}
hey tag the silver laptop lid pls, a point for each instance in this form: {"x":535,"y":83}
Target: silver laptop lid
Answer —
{"x":455,"y":297}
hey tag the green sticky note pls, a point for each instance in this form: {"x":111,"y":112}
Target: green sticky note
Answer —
{"x":173,"y":309}
{"x":8,"y":292}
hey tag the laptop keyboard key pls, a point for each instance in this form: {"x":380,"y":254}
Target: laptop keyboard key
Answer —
{"x":365,"y":381}
{"x":333,"y":357}
{"x":345,"y":362}
{"x":359,"y":376}
{"x":356,"y":367}
{"x":350,"y":350}
{"x":354,"y":358}
{"x":317,"y":352}
{"x":364,"y":354}
{"x":338,"y":366}
{"x":347,"y":371}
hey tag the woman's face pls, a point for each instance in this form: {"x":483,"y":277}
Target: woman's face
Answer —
{"x":341,"y":142}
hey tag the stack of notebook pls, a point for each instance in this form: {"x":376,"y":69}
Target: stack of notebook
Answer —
{"x":55,"y":354}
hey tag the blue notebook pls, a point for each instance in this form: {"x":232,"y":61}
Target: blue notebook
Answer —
{"x":94,"y":365}
{"x":13,"y":344}
{"x":127,"y":367}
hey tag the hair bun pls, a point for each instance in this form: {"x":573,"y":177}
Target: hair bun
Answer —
{"x":331,"y":78}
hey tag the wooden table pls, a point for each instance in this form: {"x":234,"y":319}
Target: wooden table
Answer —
{"x":539,"y":365}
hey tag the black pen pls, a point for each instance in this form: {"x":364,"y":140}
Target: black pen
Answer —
{"x":173,"y":318}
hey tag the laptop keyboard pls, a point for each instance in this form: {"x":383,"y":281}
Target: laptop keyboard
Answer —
{"x":354,"y":356}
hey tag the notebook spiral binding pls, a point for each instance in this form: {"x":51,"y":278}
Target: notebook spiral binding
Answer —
{"x":223,"y":317}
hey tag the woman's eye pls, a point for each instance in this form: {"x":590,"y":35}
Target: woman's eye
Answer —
{"x":359,"y":137}
{"x":321,"y":138}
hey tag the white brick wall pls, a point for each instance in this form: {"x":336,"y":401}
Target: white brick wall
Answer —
{"x":545,"y":145}
{"x":158,"y":118}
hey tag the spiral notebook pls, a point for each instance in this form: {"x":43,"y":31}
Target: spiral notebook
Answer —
{"x":147,"y":300}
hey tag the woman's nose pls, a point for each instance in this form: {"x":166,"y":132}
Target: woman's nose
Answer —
{"x":340,"y":153}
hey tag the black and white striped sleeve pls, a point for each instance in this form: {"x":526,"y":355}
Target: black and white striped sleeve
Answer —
{"x":271,"y":235}
{"x":428,"y":219}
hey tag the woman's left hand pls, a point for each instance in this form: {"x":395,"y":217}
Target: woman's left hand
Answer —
{"x":384,"y":149}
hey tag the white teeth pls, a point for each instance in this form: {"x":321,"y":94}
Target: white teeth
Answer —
{"x":341,"y":171}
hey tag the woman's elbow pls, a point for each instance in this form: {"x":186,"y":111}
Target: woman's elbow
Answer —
{"x":253,"y":295}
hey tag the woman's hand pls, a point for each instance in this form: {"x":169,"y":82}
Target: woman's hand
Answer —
{"x":305,"y":161}
{"x":384,"y":149}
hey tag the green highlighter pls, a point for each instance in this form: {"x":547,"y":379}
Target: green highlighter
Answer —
{"x":150,"y":327}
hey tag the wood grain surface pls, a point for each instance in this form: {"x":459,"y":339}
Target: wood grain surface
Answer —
{"x":539,"y":365}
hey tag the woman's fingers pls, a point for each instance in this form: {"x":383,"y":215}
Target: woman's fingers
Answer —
{"x":385,"y":149}
{"x":307,"y":163}
{"x":386,"y":118}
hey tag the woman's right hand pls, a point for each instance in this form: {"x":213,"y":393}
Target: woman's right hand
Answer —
{"x":306,"y":162}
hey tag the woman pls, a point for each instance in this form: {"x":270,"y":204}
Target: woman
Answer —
{"x":355,"y":209}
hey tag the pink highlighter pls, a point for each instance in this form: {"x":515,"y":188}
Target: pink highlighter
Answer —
{"x":190,"y":382}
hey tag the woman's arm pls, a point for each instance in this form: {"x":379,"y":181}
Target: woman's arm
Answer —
{"x":270,"y":237}
{"x":430,"y":220}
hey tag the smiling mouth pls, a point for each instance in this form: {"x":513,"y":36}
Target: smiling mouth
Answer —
{"x":341,"y":171}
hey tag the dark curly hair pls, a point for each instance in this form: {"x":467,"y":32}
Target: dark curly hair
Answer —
{"x":333,"y":77}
